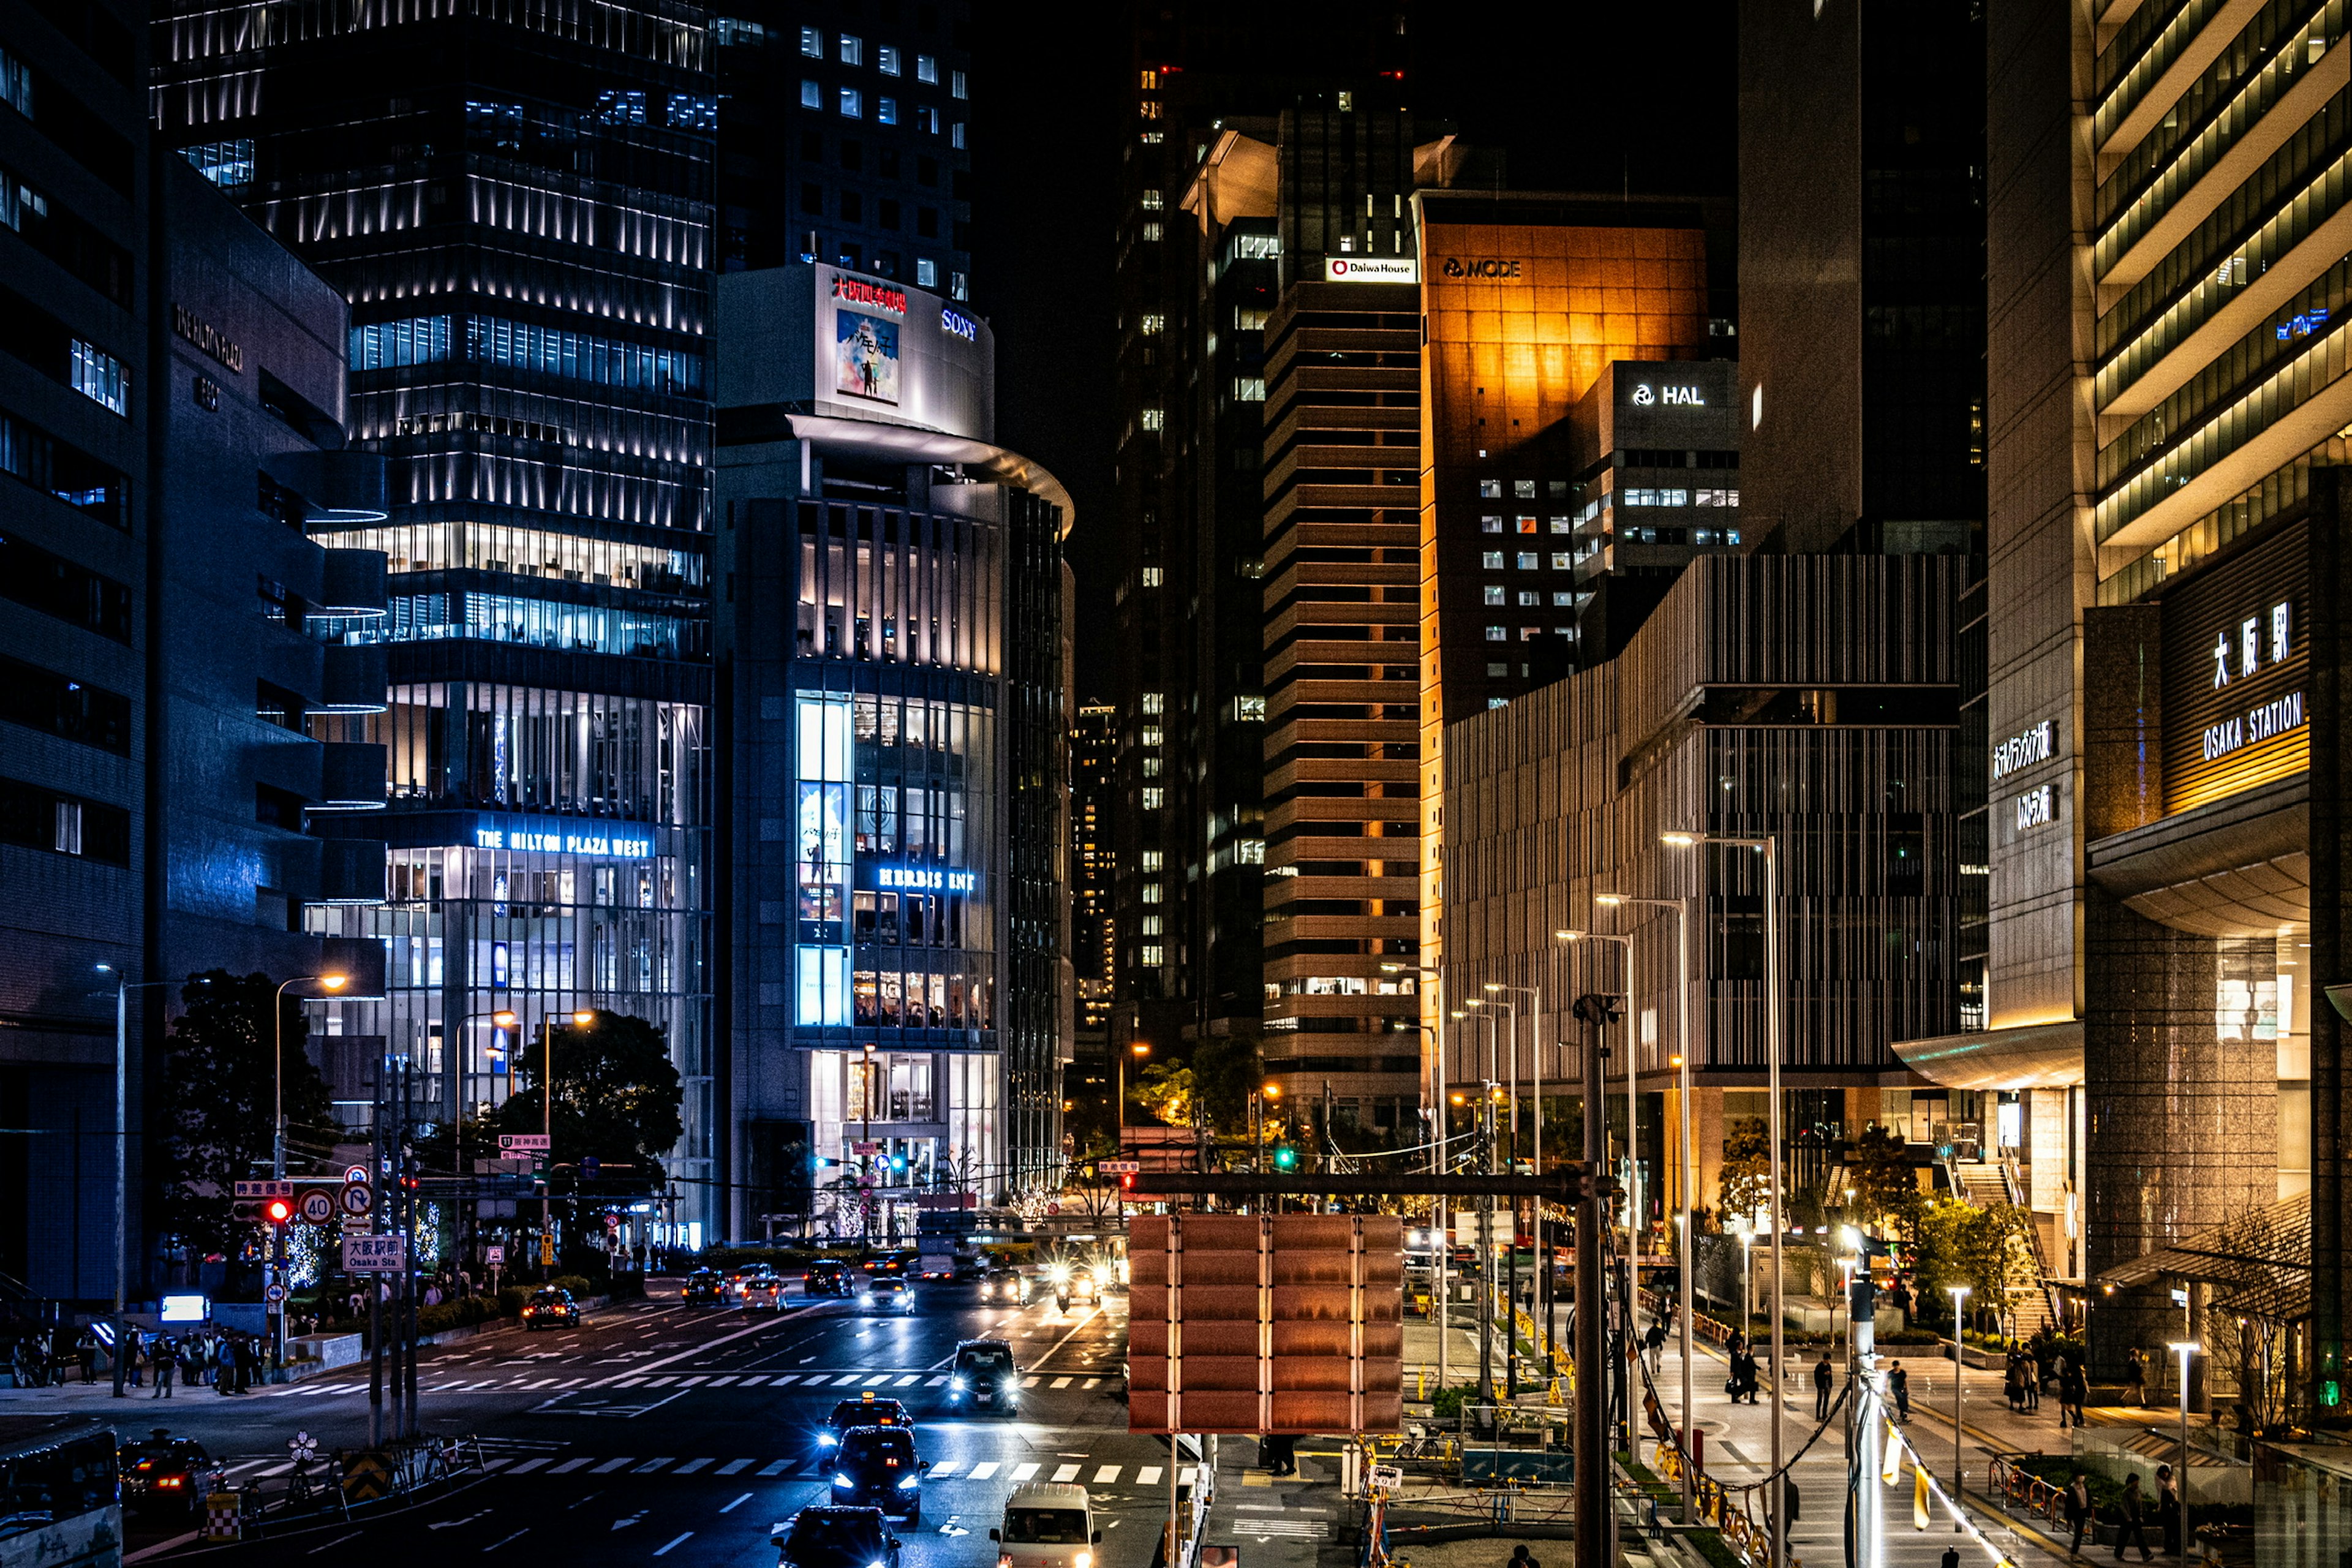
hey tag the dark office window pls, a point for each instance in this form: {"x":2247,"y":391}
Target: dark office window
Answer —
{"x":853,"y":154}
{"x":32,"y":818}
{"x":69,"y":121}
{"x":926,"y":169}
{"x":812,"y":145}
{"x":959,"y":184}
{"x":78,"y":247}
{"x":926,"y":222}
{"x":97,"y":34}
{"x":962,"y":240}
{"x":65,"y":471}
{"x":273,"y":704}
{"x":54,"y":586}
{"x":812,"y":198}
{"x":276,"y":501}
{"x":886,"y":213}
{"x":277,"y":808}
{"x":889,"y":163}
{"x":852,"y":208}
{"x":43,"y":699}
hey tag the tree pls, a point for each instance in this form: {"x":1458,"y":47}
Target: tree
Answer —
{"x":616,"y":1095}
{"x":1884,"y":1189}
{"x":1165,"y":1090}
{"x":1225,"y":1072}
{"x":219,"y":1100}
{"x":1745,"y":1184}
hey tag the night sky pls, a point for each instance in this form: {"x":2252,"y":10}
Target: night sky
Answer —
{"x":1585,"y":97}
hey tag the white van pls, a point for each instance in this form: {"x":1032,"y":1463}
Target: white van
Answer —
{"x":1047,"y":1526}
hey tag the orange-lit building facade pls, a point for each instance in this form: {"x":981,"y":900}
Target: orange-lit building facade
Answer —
{"x":1524,"y":299}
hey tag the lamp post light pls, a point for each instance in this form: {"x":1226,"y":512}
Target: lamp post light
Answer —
{"x":1633,"y":1165}
{"x":583,"y":1019}
{"x":1960,"y":1389}
{"x":1779,"y":1553}
{"x":2184,"y":1349}
{"x":333,"y":983}
{"x":1139,"y":1049}
{"x":123,"y":990}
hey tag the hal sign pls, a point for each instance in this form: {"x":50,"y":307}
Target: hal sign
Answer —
{"x":1370,"y":269}
{"x":1671,"y":396}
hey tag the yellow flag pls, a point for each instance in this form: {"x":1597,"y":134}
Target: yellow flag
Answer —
{"x":1919,"y":1498}
{"x":1893,"y":1469}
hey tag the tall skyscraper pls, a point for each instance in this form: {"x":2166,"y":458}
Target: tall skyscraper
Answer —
{"x":1094,"y":934}
{"x":519,"y":209}
{"x":2167,"y":836}
{"x":890,"y":647}
{"x":846,"y":140}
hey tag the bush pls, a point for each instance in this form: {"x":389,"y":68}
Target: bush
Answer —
{"x":571,"y":1283}
{"x":1445,"y":1403}
{"x":511,"y":1298}
{"x":456,"y":1314}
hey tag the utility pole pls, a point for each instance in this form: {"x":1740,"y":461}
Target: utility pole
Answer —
{"x":1486,"y":1245}
{"x":376,"y":1281}
{"x":1865,"y":1415}
{"x":1596,"y":1527}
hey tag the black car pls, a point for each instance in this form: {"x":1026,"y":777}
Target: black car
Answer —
{"x":829,"y":1277}
{"x":867,"y":1410}
{"x":834,"y":1538}
{"x":984,"y":1377}
{"x":705,"y":1285}
{"x":551,"y":1309}
{"x":164,"y":1473}
{"x":876,"y":1467}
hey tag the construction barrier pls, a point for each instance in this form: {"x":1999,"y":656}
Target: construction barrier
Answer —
{"x":224,"y":1518}
{"x":367,"y":1476}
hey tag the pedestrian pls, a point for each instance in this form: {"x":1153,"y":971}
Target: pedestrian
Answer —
{"x":2167,"y":1510}
{"x":167,"y":1362}
{"x":2132,"y":1529}
{"x":1950,"y":1559}
{"x":1898,"y":1384}
{"x":2073,"y":1390}
{"x":2013,"y":1382}
{"x":1655,"y":1341}
{"x":2079,"y":1512}
{"x":1522,"y":1558}
{"x":192,"y":1360}
{"x":2136,"y":1376}
{"x":1824,"y":1378}
{"x":1900,"y":1299}
{"x":86,"y":1352}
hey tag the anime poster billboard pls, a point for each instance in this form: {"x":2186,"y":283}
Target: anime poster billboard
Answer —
{"x":865,"y":356}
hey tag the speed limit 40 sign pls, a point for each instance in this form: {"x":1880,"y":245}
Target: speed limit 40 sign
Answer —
{"x":318,"y":1205}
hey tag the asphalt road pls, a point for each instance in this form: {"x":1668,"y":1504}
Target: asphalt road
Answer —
{"x":657,"y":1430}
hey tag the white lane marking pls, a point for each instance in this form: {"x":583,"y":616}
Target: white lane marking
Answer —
{"x":542,"y":1383}
{"x":690,"y":1382}
{"x":845,"y":1382}
{"x":662,"y":1381}
{"x":1031,"y":1381}
{"x":1059,"y":1382}
{"x":569,"y":1466}
{"x":315,"y":1549}
{"x":1145,"y":1475}
{"x":739,"y":1503}
{"x":777,"y":1322}
{"x":691,"y":1466}
{"x":935,"y":1382}
{"x":518,"y":1535}
{"x":722,"y":1381}
{"x":1023,"y":1472}
{"x":1106,"y":1475}
{"x":1065,"y":1474}
{"x":609,"y":1465}
{"x":779,"y":1380}
{"x":987,"y":1468}
{"x":732,"y":1466}
{"x":650,"y":1466}
{"x":628,"y":1383}
{"x":775,"y":1467}
{"x":569,"y":1382}
{"x":664,"y":1550}
{"x":527,"y":1466}
{"x":489,"y":1465}
{"x":1091,"y":1382}
{"x":246,"y":1465}
{"x":908,"y":1381}
{"x":277,"y":1469}
{"x":944,"y":1468}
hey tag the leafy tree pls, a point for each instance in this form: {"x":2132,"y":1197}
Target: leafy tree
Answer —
{"x":1165,"y":1090}
{"x":218,"y":1101}
{"x":1745,"y":1184}
{"x":1225,"y":1070}
{"x":616,"y":1095}
{"x":1995,"y":1257}
{"x":1884,"y":1189}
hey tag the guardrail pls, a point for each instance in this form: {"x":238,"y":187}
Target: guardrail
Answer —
{"x":2027,"y":1492}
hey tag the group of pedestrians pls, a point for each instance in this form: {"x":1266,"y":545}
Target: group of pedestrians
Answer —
{"x":2130,"y":1514}
{"x":227,"y":1359}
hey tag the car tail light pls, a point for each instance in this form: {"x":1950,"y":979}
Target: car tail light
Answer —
{"x":170,"y":1481}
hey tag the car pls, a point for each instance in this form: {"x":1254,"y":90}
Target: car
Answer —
{"x":978,"y":1267}
{"x":163,"y":1474}
{"x":706,"y":1287}
{"x":751,"y":1271}
{"x":1047,"y":1526}
{"x":891,"y":1295}
{"x":823,"y":1537}
{"x":1009,"y":1285}
{"x":876,"y":1467}
{"x":888,"y":1264}
{"x":1074,"y":1282}
{"x":549,"y":1308}
{"x":984,"y":1377}
{"x":864,"y":1411}
{"x":763,"y":1295}
{"x":829,"y":1277}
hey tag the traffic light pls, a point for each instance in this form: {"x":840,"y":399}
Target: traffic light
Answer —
{"x":278,"y":1212}
{"x":1127,"y":1181}
{"x":245,"y":1211}
{"x":1286,"y":1158}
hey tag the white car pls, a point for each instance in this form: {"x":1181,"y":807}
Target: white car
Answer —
{"x":1047,"y":1526}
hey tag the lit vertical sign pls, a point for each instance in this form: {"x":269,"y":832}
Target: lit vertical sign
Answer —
{"x":822,"y":754}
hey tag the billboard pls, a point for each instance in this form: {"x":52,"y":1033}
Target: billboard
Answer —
{"x":847,"y":345}
{"x":865,"y":356}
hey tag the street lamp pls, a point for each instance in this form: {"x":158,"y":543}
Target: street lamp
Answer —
{"x":2184,"y":1349}
{"x":1959,"y":1388}
{"x":278,"y":1063}
{"x":1139,"y":1049}
{"x":583,"y":1019}
{"x":1779,"y":1553}
{"x":1632,"y":1165}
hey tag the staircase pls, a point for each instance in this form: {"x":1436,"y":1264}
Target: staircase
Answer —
{"x":1982,"y":1183}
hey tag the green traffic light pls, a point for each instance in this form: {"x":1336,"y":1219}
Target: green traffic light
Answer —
{"x":1286,"y":1158}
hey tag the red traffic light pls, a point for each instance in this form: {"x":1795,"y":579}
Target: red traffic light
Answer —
{"x":277,"y":1211}
{"x":1127,"y":1181}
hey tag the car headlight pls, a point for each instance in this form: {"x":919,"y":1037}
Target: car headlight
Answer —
{"x":842,"y":1480}
{"x":909,"y":1483}
{"x":957,"y":1384}
{"x":1083,"y":1559}
{"x":827,"y":1439}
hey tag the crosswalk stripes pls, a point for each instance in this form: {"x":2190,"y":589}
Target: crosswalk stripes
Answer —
{"x":724,"y":1382}
{"x":691,"y":1466}
{"x":1023,"y":1472}
{"x":1060,"y":1383}
{"x":1147,"y":1475}
{"x":609,"y":1465}
{"x":650,"y":1466}
{"x":987,"y":1470}
{"x":1031,"y":1381}
{"x":775,"y":1467}
{"x":732,"y":1466}
{"x":1106,"y":1475}
{"x":1065,"y":1474}
{"x":569,"y":1466}
{"x":945,"y":1468}
{"x":527,"y":1466}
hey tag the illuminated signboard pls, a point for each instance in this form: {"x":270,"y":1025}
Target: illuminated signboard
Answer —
{"x":1482,"y":267}
{"x":876,"y":296}
{"x":961,"y":326}
{"x":917,"y":879}
{"x":2024,"y":750}
{"x":2237,"y":704}
{"x":2037,"y":808}
{"x":1644,"y":396}
{"x":1371,"y":269}
{"x":629,"y":841}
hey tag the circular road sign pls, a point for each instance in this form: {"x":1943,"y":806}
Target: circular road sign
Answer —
{"x":356,"y":1173}
{"x":318,"y":1205}
{"x":274,"y":1294}
{"x":357,"y":1198}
